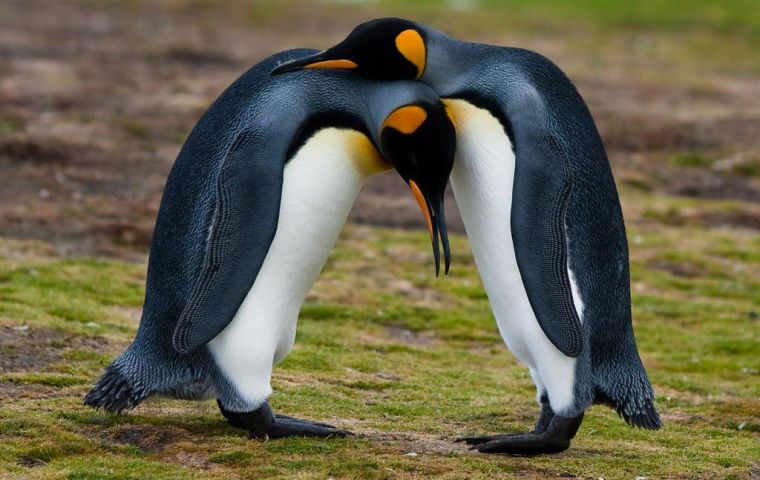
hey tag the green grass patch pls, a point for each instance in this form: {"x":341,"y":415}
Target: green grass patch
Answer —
{"x":691,"y":160}
{"x":406,"y":361}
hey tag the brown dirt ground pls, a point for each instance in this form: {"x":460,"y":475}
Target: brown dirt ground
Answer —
{"x":31,"y":349}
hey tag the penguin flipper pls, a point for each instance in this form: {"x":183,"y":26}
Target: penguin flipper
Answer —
{"x":541,"y":112}
{"x":248,"y":194}
{"x":542,"y":188}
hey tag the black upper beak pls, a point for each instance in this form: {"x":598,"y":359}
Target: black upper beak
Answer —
{"x":438,"y":218}
{"x":298,"y":64}
{"x":441,"y":222}
{"x":436,"y":221}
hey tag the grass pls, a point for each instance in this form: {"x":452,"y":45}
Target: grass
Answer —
{"x":691,"y":160}
{"x":406,"y":361}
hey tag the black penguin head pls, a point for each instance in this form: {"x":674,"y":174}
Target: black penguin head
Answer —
{"x":383,"y":49}
{"x":419,"y":140}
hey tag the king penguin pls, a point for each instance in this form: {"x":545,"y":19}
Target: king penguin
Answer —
{"x":251,"y":208}
{"x":542,"y":214}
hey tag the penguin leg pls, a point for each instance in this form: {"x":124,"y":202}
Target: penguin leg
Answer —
{"x":556,"y":438}
{"x":541,"y":425}
{"x":263,"y":423}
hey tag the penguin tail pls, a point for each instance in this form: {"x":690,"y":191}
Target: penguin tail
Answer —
{"x":120,"y":388}
{"x":644,"y":415}
{"x":632,"y":397}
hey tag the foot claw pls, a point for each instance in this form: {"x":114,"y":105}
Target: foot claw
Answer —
{"x":477,"y":440}
{"x":286,"y":418}
{"x":293,"y":427}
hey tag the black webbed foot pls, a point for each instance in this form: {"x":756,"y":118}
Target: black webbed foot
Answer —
{"x":292,"y":427}
{"x":263,"y":423}
{"x":556,"y":438}
{"x":541,"y":425}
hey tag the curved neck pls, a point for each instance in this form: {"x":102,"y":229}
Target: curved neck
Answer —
{"x":447,"y":59}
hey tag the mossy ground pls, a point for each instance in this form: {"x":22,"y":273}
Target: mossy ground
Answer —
{"x":407,"y":361}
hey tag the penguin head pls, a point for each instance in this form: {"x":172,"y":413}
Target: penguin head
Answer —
{"x":419,"y":140}
{"x":383,"y":49}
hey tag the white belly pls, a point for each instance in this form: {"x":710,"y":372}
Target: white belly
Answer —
{"x":320,"y":185}
{"x":482,"y":181}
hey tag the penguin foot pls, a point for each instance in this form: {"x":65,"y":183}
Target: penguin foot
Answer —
{"x":263,"y":423}
{"x":556,"y":438}
{"x":541,"y":425}
{"x":293,"y":427}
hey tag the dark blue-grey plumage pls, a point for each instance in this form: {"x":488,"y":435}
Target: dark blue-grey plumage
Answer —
{"x":564,"y":197}
{"x":218,"y":217}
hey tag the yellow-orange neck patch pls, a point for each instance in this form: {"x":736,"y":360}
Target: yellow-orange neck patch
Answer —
{"x":411,"y":45}
{"x":364,"y":154}
{"x":450,"y":114}
{"x":406,"y":119}
{"x":332,"y":64}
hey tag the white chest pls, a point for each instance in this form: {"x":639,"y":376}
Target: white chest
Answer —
{"x":320,"y":185}
{"x":482,"y":180}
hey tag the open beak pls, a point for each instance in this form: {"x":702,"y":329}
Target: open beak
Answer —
{"x":436,"y":223}
{"x":318,"y":60}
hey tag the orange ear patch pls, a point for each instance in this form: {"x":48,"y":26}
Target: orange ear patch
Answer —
{"x":332,"y":64}
{"x":412,"y":47}
{"x":406,"y":119}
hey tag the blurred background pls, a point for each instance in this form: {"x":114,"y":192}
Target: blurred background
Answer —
{"x":96,"y":99}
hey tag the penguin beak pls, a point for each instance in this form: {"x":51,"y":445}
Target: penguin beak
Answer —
{"x":318,"y":60}
{"x":436,"y":223}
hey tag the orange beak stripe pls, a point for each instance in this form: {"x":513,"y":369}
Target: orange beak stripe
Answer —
{"x":332,"y":64}
{"x":423,"y":206}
